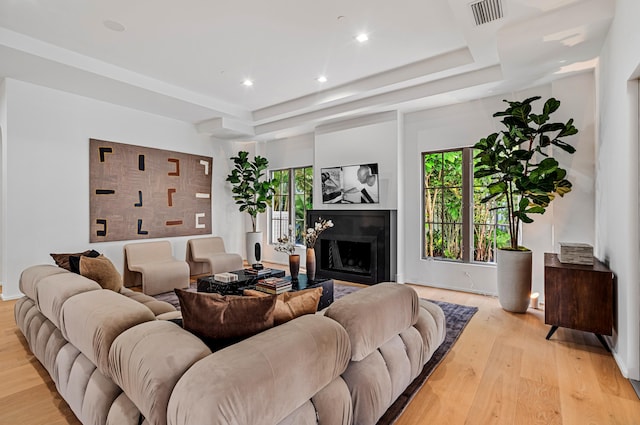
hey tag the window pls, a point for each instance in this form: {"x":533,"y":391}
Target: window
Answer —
{"x":293,"y":197}
{"x":457,"y":226}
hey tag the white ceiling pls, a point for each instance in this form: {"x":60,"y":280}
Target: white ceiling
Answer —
{"x":187,"y":59}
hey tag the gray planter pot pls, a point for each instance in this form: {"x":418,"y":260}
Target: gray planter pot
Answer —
{"x":514,"y":279}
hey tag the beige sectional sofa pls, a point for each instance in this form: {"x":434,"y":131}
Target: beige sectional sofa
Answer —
{"x":116,"y":362}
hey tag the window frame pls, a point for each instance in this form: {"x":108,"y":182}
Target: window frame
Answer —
{"x":291,"y":195}
{"x":468,"y":216}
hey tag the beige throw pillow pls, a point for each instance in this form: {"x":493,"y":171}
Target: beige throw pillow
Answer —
{"x":292,"y":304}
{"x":102,"y":270}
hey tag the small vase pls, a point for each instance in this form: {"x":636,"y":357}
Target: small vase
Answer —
{"x":311,"y":263}
{"x":294,"y":266}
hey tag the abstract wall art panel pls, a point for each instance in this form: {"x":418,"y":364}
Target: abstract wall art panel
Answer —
{"x":142,"y":193}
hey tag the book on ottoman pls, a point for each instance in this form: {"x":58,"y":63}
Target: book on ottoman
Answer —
{"x":274,"y":285}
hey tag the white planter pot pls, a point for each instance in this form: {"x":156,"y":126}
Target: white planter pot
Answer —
{"x":514,"y":279}
{"x":254,"y":247}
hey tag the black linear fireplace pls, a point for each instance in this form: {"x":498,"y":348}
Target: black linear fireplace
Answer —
{"x":360,"y":247}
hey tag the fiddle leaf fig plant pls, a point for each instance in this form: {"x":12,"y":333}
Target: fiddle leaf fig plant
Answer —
{"x":523,"y":172}
{"x":250,"y":191}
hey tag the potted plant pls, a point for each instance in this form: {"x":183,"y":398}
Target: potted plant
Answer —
{"x":526,"y":178}
{"x":287,"y":245}
{"x":253,"y":194}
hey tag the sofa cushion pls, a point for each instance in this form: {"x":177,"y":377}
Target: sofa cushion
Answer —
{"x":147,"y":360}
{"x":54,"y":291}
{"x":92,"y":320}
{"x":156,"y":306}
{"x":101,"y":270}
{"x":262,"y":379}
{"x":62,"y":260}
{"x":214,"y":316}
{"x":372,"y":316}
{"x":290,"y":305}
{"x":31,"y":277}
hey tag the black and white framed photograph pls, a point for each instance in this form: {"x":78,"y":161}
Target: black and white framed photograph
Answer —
{"x":352,"y":184}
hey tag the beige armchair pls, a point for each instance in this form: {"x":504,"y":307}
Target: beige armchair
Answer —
{"x":207,"y":255}
{"x":152,"y":265}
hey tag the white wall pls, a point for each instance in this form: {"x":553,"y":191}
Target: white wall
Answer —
{"x":47,"y":170}
{"x":617,"y":169}
{"x":371,"y":139}
{"x":463,"y":125}
{"x":3,"y":178}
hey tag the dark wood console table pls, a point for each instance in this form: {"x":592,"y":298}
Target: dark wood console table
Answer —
{"x":578,"y":297}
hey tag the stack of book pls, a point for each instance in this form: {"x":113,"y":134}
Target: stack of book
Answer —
{"x":257,"y":272}
{"x":273,"y":285}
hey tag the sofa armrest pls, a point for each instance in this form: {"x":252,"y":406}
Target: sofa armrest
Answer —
{"x":147,"y":360}
{"x":374,"y":315}
{"x":262,"y":379}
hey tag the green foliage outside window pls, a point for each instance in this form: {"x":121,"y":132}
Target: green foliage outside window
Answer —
{"x":303,"y":193}
{"x":443,"y":204}
{"x":444,"y":200}
{"x":293,"y":197}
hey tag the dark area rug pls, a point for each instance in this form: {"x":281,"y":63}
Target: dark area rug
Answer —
{"x":457,"y":316}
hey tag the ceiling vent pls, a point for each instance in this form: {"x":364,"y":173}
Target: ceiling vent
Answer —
{"x":486,"y":11}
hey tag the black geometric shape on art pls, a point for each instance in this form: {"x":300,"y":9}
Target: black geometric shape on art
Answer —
{"x":140,"y":231}
{"x":258,"y":251}
{"x":141,"y":162}
{"x":103,"y":223}
{"x":103,"y":151}
{"x":105,"y":191}
{"x":139,"y":204}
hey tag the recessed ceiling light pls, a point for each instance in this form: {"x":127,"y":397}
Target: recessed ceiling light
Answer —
{"x":113,"y":26}
{"x":362,"y":37}
{"x":247,"y":82}
{"x":321,"y":79}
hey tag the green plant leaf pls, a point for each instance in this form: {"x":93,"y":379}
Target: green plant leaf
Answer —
{"x":524,"y":203}
{"x":564,"y":146}
{"x":556,"y":126}
{"x":535,"y":210}
{"x":550,"y":106}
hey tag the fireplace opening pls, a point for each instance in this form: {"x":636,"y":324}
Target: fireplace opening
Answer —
{"x":347,"y":256}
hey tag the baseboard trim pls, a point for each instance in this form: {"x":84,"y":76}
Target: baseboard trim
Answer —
{"x":11,"y":297}
{"x":636,"y":386}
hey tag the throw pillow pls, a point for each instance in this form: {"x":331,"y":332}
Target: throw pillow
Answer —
{"x":292,"y":304}
{"x":102,"y":271}
{"x":62,"y":260}
{"x":74,"y":260}
{"x":214,"y":316}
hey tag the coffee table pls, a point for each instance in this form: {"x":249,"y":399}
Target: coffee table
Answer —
{"x":248,"y":281}
{"x":245,"y":281}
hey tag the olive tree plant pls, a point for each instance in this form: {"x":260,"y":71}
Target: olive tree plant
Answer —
{"x":522,"y":170}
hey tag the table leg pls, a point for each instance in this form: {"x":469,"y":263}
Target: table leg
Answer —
{"x":603,"y":342}
{"x":552,"y":331}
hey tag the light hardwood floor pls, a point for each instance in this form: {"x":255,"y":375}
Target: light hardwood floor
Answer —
{"x":500,"y":371}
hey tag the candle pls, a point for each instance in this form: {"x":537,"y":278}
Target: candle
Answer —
{"x":533,"y":303}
